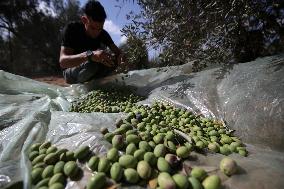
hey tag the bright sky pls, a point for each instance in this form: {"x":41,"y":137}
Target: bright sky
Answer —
{"x":116,"y":16}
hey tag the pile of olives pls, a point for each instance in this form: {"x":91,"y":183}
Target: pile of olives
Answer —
{"x":154,"y":122}
{"x":51,"y":167}
{"x":148,"y":148}
{"x":130,"y":160}
{"x":156,"y":162}
{"x":107,"y":100}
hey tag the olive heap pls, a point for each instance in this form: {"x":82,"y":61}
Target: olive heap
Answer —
{"x":51,"y":167}
{"x":108,"y":100}
{"x":153,"y":153}
{"x":204,"y":133}
{"x":156,"y":162}
{"x":147,"y":148}
{"x":141,"y":163}
{"x":154,"y":122}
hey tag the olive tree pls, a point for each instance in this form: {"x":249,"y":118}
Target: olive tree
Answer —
{"x":136,"y":53}
{"x":213,"y":31}
{"x":30,"y":35}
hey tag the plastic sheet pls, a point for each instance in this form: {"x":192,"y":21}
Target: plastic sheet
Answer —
{"x":248,"y":97}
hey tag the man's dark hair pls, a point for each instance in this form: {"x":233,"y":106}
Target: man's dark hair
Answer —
{"x":95,"y":10}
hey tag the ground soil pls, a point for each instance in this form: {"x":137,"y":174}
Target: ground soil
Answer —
{"x":55,"y":80}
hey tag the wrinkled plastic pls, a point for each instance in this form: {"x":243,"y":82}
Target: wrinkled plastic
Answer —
{"x":248,"y":97}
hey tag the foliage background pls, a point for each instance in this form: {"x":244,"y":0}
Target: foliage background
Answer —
{"x":215,"y":31}
{"x":30,"y":37}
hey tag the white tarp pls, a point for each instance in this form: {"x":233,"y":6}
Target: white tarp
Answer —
{"x":249,"y":97}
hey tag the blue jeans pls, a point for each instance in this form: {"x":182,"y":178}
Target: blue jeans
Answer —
{"x":86,"y":72}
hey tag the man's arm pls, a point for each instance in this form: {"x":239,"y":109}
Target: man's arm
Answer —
{"x":68,"y":60}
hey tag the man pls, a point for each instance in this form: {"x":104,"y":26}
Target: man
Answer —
{"x":80,"y":56}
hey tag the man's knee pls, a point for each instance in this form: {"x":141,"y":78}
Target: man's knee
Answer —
{"x":69,"y":76}
{"x":85,"y":75}
{"x":88,"y":71}
{"x":80,"y":74}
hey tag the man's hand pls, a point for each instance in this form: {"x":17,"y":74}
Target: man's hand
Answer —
{"x":102,"y":57}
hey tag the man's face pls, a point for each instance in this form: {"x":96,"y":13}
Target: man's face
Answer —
{"x":92,"y":27}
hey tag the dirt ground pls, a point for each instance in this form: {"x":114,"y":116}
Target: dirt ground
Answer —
{"x":55,"y":80}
